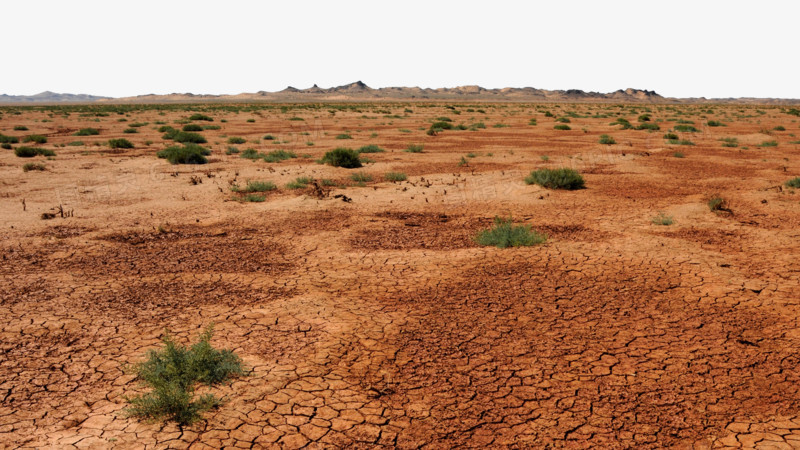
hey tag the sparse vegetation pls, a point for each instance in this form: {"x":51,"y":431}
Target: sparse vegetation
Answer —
{"x":236,"y":140}
{"x":686,"y":128}
{"x":562,"y":178}
{"x":607,"y":140}
{"x":370,"y":149}
{"x":87,"y":132}
{"x":35,"y":138}
{"x":504,"y":234}
{"x":717,"y":204}
{"x":172,"y":373}
{"x":714,"y":123}
{"x":344,"y":136}
{"x":20,"y":128}
{"x":192,"y":127}
{"x":730,"y":142}
{"x":30,"y":152}
{"x":769,"y":144}
{"x":648,"y":126}
{"x":186,"y":154}
{"x":299,"y":183}
{"x":663,"y":219}
{"x":794,"y":183}
{"x":199,"y":116}
{"x":342,"y":157}
{"x":8,"y":139}
{"x":120,"y":143}
{"x":562,"y":127}
{"x":361,"y":177}
{"x":414,"y":148}
{"x":27,"y":167}
{"x":395,"y":176}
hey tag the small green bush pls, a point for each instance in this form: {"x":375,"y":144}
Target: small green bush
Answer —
{"x":130,"y":130}
{"x":607,"y":140}
{"x":269,"y":137}
{"x":299,"y":183}
{"x":35,"y":138}
{"x":8,"y":139}
{"x":563,"y":120}
{"x":671,"y":137}
{"x":342,"y":157}
{"x":717,"y":204}
{"x":686,"y":128}
{"x":20,"y":128}
{"x":173,"y":371}
{"x":344,"y":136}
{"x":259,"y":186}
{"x":87,"y":132}
{"x":644,"y":118}
{"x":663,"y":219}
{"x":27,"y":167}
{"x":361,"y":177}
{"x":187,"y":154}
{"x":192,"y":127}
{"x":532,"y":122}
{"x":678,"y":155}
{"x":278,"y":155}
{"x":370,"y":149}
{"x":715,"y":123}
{"x":120,"y":143}
{"x":414,"y":148}
{"x":199,"y":116}
{"x":504,"y":234}
{"x":562,"y":178}
{"x":793,"y":183}
{"x":769,"y":144}
{"x":30,"y":152}
{"x":730,"y":142}
{"x":648,"y":126}
{"x":6,"y":146}
{"x":780,"y":128}
{"x":395,"y":176}
{"x":562,"y":127}
{"x":236,"y":140}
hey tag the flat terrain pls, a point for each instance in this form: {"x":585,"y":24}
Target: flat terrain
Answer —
{"x":379,"y":320}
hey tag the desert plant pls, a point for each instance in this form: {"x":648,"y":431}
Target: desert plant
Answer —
{"x":173,"y":371}
{"x":663,"y":219}
{"x":199,"y":116}
{"x":299,"y":183}
{"x":259,"y":186}
{"x":278,"y":155}
{"x":187,"y":154}
{"x":644,"y":118}
{"x":6,"y":146}
{"x":730,"y":142}
{"x":20,"y":128}
{"x":505,"y":234}
{"x":562,"y":127}
{"x":130,"y":130}
{"x":562,"y":178}
{"x":793,"y":183}
{"x":780,"y":128}
{"x":563,"y":120}
{"x":769,"y":144}
{"x":87,"y":132}
{"x":361,"y":177}
{"x":30,"y":152}
{"x":8,"y":139}
{"x":269,"y":137}
{"x":671,"y":137}
{"x":648,"y":126}
{"x":715,"y":123}
{"x":678,"y":155}
{"x":607,"y":140}
{"x":342,"y":157}
{"x":717,"y":203}
{"x":27,"y":167}
{"x":532,"y":122}
{"x":236,"y":140}
{"x":372,"y":148}
{"x":414,"y":148}
{"x":344,"y":136}
{"x":192,"y":127}
{"x":686,"y":128}
{"x":120,"y":143}
{"x":395,"y":176}
{"x":35,"y":138}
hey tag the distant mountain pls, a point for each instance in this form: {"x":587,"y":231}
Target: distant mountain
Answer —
{"x":50,"y":97}
{"x":359,"y":91}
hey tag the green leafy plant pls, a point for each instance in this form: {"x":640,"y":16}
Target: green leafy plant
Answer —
{"x":8,"y":139}
{"x":278,"y":155}
{"x":730,"y":142}
{"x":199,"y":116}
{"x":794,"y":183}
{"x":562,"y":178}
{"x":87,"y":132}
{"x":372,"y":148}
{"x":186,"y":154}
{"x":35,"y":138}
{"x":686,"y":128}
{"x":342,"y":157}
{"x":504,"y":234}
{"x":562,"y":127}
{"x":120,"y":143}
{"x":607,"y":140}
{"x":299,"y":183}
{"x":414,"y":148}
{"x":192,"y":127}
{"x":30,"y":152}
{"x":172,"y":373}
{"x":20,"y":128}
{"x":27,"y":167}
{"x":361,"y":177}
{"x":236,"y":140}
{"x":344,"y":136}
{"x":648,"y":126}
{"x":395,"y":176}
{"x":130,"y":130}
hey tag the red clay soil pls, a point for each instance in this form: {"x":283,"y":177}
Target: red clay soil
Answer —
{"x":379,"y":321}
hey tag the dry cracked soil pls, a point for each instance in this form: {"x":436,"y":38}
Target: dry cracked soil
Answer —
{"x":379,"y":321}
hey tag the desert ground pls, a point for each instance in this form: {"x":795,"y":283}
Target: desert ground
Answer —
{"x":365,"y":309}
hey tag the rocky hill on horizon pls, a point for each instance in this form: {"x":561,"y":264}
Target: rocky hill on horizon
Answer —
{"x":359,"y":91}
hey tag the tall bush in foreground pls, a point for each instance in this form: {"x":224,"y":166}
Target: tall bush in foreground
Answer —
{"x":342,"y":157}
{"x":172,"y":373}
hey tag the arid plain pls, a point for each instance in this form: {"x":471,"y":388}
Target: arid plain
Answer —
{"x":364,"y":307}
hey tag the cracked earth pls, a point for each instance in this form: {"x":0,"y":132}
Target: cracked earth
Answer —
{"x":380,"y":322}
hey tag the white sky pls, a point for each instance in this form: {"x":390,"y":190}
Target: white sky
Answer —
{"x":677,"y":48}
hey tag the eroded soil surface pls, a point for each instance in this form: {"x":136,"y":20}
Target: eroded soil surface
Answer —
{"x":375,"y":319}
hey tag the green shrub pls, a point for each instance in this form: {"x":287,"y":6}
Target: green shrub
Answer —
{"x":259,"y":186}
{"x":231,"y":150}
{"x":414,"y":148}
{"x":87,"y":132}
{"x":717,"y":203}
{"x":192,"y":127}
{"x":120,"y":143}
{"x":663,"y":219}
{"x":6,"y":146}
{"x":563,"y":120}
{"x":714,"y":123}
{"x":299,"y":183}
{"x":20,"y":128}
{"x":680,"y":142}
{"x":671,"y":137}
{"x":35,"y":138}
{"x":548,"y":114}
{"x":187,"y":154}
{"x":27,"y":167}
{"x":532,"y":122}
{"x":236,"y":140}
{"x":344,"y":136}
{"x":556,"y":179}
{"x":30,"y":152}
{"x":278,"y":155}
{"x":130,"y":130}
{"x":395,"y":176}
{"x":342,"y":157}
{"x":173,"y":371}
{"x":648,"y":126}
{"x":8,"y":139}
{"x":562,"y":127}
{"x":370,"y":149}
{"x":793,"y":183}
{"x":686,"y":128}
{"x":251,"y":154}
{"x":607,"y":140}
{"x":361,"y":177}
{"x":269,"y":137}
{"x":730,"y":142}
{"x":780,"y":128}
{"x":76,"y":144}
{"x":644,"y":118}
{"x":167,"y":129}
{"x":504,"y":234}
{"x":769,"y":144}
{"x":199,"y":116}
{"x":184,"y":137}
